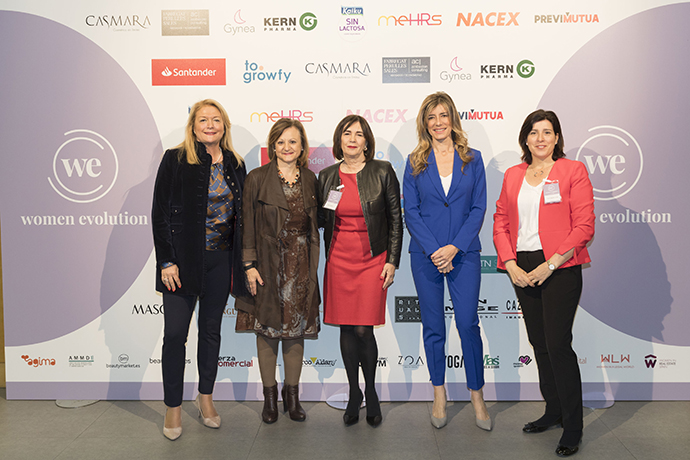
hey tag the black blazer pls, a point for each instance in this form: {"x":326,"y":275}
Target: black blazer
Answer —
{"x":379,"y":195}
{"x":178,"y":218}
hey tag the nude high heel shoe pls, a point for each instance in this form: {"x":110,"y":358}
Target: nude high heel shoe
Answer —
{"x":211,"y":422}
{"x":171,"y":433}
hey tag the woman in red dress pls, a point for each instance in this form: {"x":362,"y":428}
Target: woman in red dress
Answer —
{"x":361,"y":214}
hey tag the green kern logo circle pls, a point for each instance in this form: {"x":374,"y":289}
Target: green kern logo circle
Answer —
{"x":308,"y":21}
{"x":525,"y":68}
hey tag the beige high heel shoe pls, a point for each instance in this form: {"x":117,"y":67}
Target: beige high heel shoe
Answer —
{"x":211,"y":422}
{"x":171,"y":433}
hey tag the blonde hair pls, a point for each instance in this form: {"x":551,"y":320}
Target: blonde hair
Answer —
{"x":419,"y":158}
{"x":277,"y":131}
{"x":188,"y":146}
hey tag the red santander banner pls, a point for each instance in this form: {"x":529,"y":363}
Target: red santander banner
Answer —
{"x":188,"y":72}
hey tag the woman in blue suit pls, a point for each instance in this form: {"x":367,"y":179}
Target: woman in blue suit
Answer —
{"x":444,"y":192}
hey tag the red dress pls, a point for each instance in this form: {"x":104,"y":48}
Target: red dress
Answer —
{"x":352,"y":279}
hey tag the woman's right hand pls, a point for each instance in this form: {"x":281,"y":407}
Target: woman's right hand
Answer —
{"x":171,"y":277}
{"x":253,"y":278}
{"x":517,"y":275}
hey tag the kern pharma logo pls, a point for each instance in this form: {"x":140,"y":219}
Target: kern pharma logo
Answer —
{"x":613,"y":159}
{"x":85,"y":167}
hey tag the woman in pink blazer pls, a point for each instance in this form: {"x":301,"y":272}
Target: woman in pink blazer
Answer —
{"x":543,"y":222}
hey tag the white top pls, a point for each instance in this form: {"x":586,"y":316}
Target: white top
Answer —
{"x":445,"y":182}
{"x":528,"y":212}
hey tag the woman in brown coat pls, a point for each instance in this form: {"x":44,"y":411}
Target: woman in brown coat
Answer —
{"x":280,"y":252}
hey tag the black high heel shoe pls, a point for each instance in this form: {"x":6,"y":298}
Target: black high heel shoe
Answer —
{"x":351,"y":415}
{"x":537,"y":427}
{"x":374,"y":417}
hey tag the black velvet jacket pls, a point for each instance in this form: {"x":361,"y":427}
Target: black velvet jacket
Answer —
{"x":379,"y":195}
{"x":178,"y":218}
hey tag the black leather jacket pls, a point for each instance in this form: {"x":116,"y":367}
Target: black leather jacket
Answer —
{"x":379,"y":194}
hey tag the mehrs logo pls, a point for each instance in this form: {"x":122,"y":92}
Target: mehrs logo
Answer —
{"x":272,"y":117}
{"x":493,"y":19}
{"x":421,"y":19}
{"x":85,"y":167}
{"x":254,"y":72}
{"x":188,"y":72}
{"x":307,"y":22}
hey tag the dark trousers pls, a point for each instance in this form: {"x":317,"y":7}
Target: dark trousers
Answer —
{"x":463,"y":286}
{"x":549,"y":313}
{"x":178,"y":311}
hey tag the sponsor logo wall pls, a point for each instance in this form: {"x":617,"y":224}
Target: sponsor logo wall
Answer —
{"x":117,"y":94}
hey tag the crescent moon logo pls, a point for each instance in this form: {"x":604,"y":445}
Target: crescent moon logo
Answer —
{"x":238,"y":18}
{"x":454,"y":65}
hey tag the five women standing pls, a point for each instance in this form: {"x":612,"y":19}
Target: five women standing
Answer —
{"x":363,"y":238}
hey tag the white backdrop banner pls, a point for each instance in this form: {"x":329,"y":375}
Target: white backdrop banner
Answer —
{"x":93,"y":93}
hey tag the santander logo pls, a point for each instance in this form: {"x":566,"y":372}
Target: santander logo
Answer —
{"x":188,"y":72}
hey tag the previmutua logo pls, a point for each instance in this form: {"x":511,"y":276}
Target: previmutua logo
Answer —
{"x":566,"y":18}
{"x":411,"y":19}
{"x":188,"y":72}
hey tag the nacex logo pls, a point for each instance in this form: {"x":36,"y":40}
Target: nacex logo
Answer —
{"x":381,"y":115}
{"x":493,"y":19}
{"x":613,"y":159}
{"x":85,"y":167}
{"x":188,"y":72}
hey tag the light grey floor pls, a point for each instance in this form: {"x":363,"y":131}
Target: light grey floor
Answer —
{"x":39,"y":430}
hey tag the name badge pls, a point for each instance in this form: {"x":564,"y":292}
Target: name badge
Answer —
{"x":552,"y":192}
{"x":334,"y":197}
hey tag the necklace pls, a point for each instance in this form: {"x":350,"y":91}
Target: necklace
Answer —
{"x":540,"y":172}
{"x":285,"y":181}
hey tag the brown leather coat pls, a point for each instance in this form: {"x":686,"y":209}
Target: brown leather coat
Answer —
{"x":265,"y":209}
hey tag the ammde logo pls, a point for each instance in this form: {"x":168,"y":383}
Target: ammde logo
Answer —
{"x":36,"y":362}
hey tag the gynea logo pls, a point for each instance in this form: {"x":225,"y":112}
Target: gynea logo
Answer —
{"x":85,"y":167}
{"x":613,"y":159}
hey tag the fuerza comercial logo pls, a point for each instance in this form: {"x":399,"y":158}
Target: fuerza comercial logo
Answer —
{"x":188,"y":72}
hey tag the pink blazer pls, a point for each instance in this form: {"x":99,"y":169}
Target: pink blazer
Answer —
{"x":562,"y":226}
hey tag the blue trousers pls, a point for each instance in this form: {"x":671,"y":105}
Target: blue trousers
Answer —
{"x":463,"y":285}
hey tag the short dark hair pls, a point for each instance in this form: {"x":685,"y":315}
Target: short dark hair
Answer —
{"x":370,"y":146}
{"x":528,"y":124}
{"x":277,"y":131}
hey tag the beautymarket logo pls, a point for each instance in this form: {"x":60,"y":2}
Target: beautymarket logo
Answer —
{"x":254,"y":72}
{"x":418,"y":19}
{"x":566,"y":18}
{"x":306,"y":22}
{"x":123,"y":363}
{"x":188,"y":72}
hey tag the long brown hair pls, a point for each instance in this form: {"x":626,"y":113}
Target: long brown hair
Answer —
{"x":188,"y":146}
{"x":419,"y":158}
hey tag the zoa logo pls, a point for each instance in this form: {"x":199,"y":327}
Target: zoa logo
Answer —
{"x":421,"y":19}
{"x":254,"y":72}
{"x":493,"y":19}
{"x":85,"y":167}
{"x":614,"y":161}
{"x":36,"y":362}
{"x":119,"y":22}
{"x":410,"y":361}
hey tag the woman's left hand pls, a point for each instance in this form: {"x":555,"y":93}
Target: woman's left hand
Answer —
{"x":443,"y":257}
{"x":387,"y":275}
{"x":540,"y":274}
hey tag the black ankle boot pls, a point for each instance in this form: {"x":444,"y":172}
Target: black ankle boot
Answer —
{"x":270,"y":412}
{"x":291,"y":403}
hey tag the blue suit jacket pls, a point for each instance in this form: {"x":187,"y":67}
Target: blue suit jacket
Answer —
{"x":434,"y":219}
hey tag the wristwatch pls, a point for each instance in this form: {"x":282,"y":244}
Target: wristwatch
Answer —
{"x":552,"y":267}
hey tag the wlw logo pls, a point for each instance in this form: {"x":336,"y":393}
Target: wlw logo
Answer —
{"x":614,"y":161}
